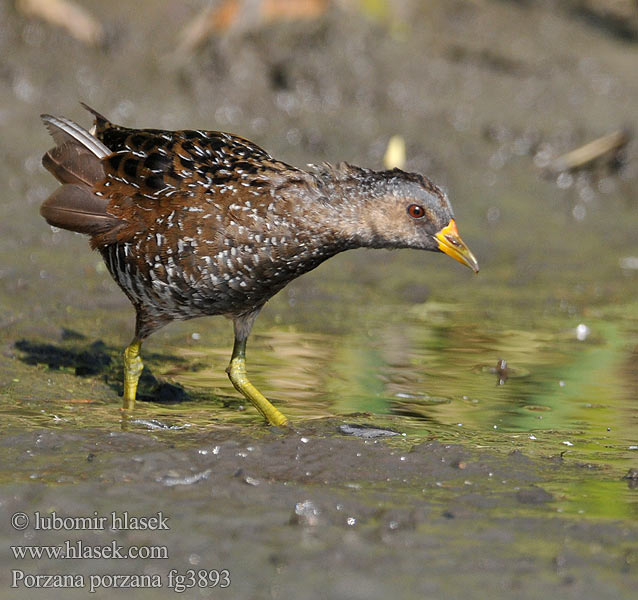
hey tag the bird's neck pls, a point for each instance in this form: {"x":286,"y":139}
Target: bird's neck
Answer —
{"x":347,"y":211}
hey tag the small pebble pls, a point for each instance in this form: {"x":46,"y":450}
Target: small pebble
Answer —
{"x":366,"y":431}
{"x":187,"y":480}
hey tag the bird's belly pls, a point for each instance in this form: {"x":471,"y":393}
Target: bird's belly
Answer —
{"x":185,"y":289}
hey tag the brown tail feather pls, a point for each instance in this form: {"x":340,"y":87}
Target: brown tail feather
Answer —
{"x":76,"y":208}
{"x":66,"y":131}
{"x":73,"y":163}
{"x":100,"y":120}
{"x":76,"y":161}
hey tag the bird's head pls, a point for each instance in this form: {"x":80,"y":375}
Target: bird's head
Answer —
{"x":395,"y":209}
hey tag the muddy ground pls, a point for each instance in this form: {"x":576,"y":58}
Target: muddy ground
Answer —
{"x":311,"y":513}
{"x":408,"y":471}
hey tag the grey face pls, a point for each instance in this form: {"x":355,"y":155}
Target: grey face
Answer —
{"x":427,"y":205}
{"x":406,"y":210}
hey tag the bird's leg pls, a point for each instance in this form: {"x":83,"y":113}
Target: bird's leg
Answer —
{"x":133,"y":367}
{"x":237,"y":373}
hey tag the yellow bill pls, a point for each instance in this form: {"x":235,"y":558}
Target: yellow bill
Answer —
{"x":451,"y":243}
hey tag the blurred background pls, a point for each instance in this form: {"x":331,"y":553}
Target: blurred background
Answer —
{"x":524,"y":111}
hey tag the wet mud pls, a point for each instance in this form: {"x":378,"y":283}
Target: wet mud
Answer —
{"x":312,"y":513}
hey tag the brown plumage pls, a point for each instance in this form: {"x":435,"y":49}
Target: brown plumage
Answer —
{"x":194,"y":223}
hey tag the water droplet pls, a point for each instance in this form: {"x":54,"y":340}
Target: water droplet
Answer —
{"x":307,"y":513}
{"x":582,"y":331}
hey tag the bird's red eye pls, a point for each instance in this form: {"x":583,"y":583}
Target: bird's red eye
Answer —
{"x":416,"y":211}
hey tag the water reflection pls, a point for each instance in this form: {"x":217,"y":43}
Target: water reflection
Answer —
{"x":433,"y":371}
{"x":430,"y":371}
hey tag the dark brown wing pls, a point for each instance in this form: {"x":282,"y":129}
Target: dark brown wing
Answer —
{"x":151,"y":173}
{"x":128,"y":182}
{"x":155,"y":162}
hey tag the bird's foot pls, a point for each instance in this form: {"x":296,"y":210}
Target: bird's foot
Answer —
{"x":133,"y":368}
{"x":237,"y":374}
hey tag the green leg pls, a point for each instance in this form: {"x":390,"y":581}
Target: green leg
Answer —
{"x":133,"y":367}
{"x":237,"y":373}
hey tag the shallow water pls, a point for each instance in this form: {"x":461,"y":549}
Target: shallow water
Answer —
{"x":428,"y":370}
